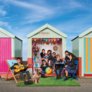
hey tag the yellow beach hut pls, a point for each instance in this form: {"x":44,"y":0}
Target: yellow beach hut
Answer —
{"x":82,"y":48}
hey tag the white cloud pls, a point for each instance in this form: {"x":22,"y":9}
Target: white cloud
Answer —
{"x":38,"y":12}
{"x":35,"y":12}
{"x":75,"y":4}
{"x":4,"y":23}
{"x":27,"y":5}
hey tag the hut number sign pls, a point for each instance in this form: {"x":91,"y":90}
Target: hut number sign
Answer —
{"x":44,"y":33}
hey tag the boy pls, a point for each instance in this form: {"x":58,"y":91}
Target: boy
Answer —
{"x":42,"y":54}
{"x":21,"y":69}
{"x":59,"y":65}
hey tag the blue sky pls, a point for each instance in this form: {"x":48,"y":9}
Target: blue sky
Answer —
{"x":21,"y":17}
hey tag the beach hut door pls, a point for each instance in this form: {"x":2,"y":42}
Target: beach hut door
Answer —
{"x":87,"y":55}
{"x":5,"y":53}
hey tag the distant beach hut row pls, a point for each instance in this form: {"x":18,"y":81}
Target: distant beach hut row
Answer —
{"x":47,"y":37}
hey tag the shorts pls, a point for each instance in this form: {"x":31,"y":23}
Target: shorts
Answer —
{"x":36,"y":65}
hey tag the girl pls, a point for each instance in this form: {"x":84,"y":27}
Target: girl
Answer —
{"x":70,"y":65}
{"x":44,"y":65}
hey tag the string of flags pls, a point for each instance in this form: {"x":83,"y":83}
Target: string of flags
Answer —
{"x":46,"y":41}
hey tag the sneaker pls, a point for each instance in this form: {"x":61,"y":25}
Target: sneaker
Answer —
{"x":65,"y":78}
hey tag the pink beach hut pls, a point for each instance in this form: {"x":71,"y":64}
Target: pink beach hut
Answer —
{"x":10,"y":48}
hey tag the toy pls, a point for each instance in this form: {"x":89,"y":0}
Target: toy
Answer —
{"x":48,"y":70}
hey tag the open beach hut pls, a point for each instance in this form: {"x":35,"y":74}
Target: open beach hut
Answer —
{"x":10,"y":48}
{"x":82,"y":48}
{"x":48,"y":38}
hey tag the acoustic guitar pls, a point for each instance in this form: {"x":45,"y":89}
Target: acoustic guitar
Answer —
{"x":19,"y":68}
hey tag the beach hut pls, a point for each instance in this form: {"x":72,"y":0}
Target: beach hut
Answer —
{"x":48,"y":38}
{"x":10,"y":48}
{"x":82,"y":48}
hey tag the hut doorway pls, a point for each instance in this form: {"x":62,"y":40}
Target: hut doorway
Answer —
{"x":53,"y":44}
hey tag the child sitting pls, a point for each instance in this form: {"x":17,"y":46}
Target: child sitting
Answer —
{"x":71,"y":66}
{"x":44,"y":65}
{"x":36,"y":76}
{"x":58,"y":67}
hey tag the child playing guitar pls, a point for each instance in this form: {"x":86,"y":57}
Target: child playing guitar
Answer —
{"x":22,"y":69}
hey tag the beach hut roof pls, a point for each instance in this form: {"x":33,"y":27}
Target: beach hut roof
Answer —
{"x":83,"y":34}
{"x":8,"y":33}
{"x":44,"y":27}
{"x":86,"y":32}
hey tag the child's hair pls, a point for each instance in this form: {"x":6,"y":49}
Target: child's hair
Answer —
{"x":73,"y":56}
{"x":43,"y":60}
{"x":43,"y":49}
{"x":58,"y":57}
{"x":54,"y":53}
{"x":49,"y":51}
{"x":67,"y":52}
{"x":18,"y":58}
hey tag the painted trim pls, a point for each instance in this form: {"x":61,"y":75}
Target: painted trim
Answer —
{"x":87,"y":75}
{"x":81,"y":54}
{"x":63,"y":47}
{"x":30,"y":63}
{"x":18,"y":38}
{"x":12,"y":47}
{"x":30,"y":47}
{"x":91,"y":54}
{"x":79,"y":66}
{"x":86,"y":54}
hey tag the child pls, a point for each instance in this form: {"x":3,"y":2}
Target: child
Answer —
{"x":36,"y":76}
{"x":46,"y":56}
{"x":44,"y":65}
{"x":53,"y":58}
{"x":21,"y":69}
{"x":58,"y":66}
{"x":42,"y":54}
{"x":49,"y":53}
{"x":50,"y":63}
{"x":36,"y":61}
{"x":66,"y":56}
{"x":71,"y":66}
